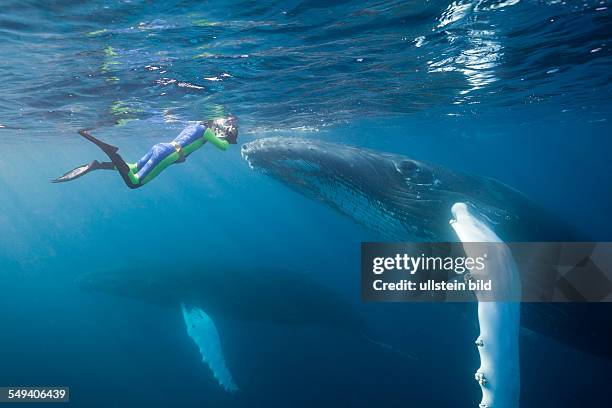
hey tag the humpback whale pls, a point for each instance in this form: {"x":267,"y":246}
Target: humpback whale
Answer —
{"x":257,"y":295}
{"x":409,"y":200}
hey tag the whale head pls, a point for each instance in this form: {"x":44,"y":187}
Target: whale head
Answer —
{"x":395,"y":195}
{"x":131,"y":284}
{"x":401,"y":198}
{"x":293,"y":159}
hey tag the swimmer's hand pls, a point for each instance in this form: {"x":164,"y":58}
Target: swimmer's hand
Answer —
{"x":224,"y":128}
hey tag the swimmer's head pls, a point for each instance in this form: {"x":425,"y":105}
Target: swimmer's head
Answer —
{"x":225,"y":128}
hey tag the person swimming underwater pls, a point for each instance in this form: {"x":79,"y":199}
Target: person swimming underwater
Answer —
{"x":220,"y":132}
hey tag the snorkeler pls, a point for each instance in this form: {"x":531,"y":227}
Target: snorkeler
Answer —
{"x":219,"y":132}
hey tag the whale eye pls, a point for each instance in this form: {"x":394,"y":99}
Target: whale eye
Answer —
{"x":415,"y":172}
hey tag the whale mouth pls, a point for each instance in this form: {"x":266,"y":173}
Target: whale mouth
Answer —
{"x":271,"y":150}
{"x":264,"y":154}
{"x":245,"y":150}
{"x":300,"y":163}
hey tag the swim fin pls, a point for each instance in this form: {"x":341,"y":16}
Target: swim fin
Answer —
{"x":82,"y":170}
{"x":111,"y":152}
{"x":106,"y":148}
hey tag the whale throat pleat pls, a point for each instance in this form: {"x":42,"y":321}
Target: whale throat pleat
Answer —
{"x":203,"y":332}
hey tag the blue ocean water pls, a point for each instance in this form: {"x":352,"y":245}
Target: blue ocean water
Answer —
{"x":512,"y":89}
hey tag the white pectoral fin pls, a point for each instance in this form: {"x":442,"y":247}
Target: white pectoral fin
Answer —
{"x":499,"y":374}
{"x":203,"y":332}
{"x":500,"y":267}
{"x":470,"y":228}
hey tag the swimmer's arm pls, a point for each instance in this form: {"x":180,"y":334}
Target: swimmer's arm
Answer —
{"x":210,"y":136}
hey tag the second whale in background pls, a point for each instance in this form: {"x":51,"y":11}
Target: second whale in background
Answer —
{"x":245,"y":294}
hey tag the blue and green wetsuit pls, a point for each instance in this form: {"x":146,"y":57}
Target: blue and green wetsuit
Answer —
{"x":160,"y":156}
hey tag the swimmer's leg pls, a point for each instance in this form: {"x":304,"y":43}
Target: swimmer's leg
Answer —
{"x":151,"y":160}
{"x":111,"y":151}
{"x":84,"y":169}
{"x":143,"y":160}
{"x":159,"y":157}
